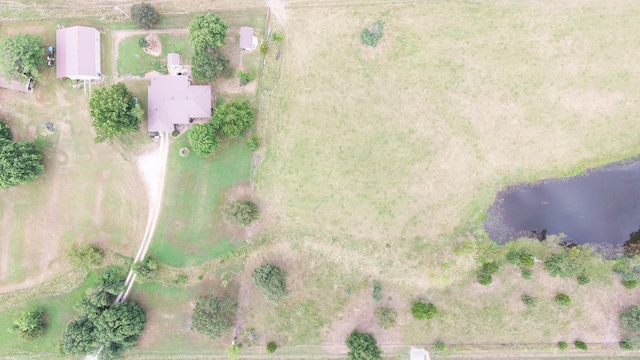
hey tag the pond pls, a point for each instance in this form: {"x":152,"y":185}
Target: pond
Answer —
{"x":599,"y":208}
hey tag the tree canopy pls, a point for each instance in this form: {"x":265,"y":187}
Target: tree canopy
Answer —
{"x":233,"y":119}
{"x":79,"y":338}
{"x":144,"y":15}
{"x":145,"y":269}
{"x":208,"y":65}
{"x":21,"y":56}
{"x":214,"y":315}
{"x":241,"y":212}
{"x":20,"y":163}
{"x":203,"y":139}
{"x":112,"y":112}
{"x":5,"y":131}
{"x":30,"y":325}
{"x":271,"y":280}
{"x":363,"y":346}
{"x":207,"y":32}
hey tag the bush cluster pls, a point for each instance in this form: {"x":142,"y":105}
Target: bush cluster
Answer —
{"x":583,"y":279}
{"x":527,"y":274}
{"x":421,"y":310}
{"x":85,"y":256}
{"x":563,"y":300}
{"x":377,"y":291}
{"x":484,"y":275}
{"x":630,"y":327}
{"x":528,"y":300}
{"x":363,"y":346}
{"x":145,"y":269}
{"x":253,"y":143}
{"x":214,"y":315}
{"x":563,"y":265}
{"x":30,"y":325}
{"x":245,"y":77}
{"x":440,"y":346}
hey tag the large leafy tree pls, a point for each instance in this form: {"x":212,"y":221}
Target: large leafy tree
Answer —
{"x":203,"y":139}
{"x":233,"y":119}
{"x":213,"y":315}
{"x":119,"y":327}
{"x":112,"y":112}
{"x":207,"y":32}
{"x":20,"y":163}
{"x":363,"y":346}
{"x":208,"y":65}
{"x":21,"y":56}
{"x":144,"y":15}
{"x":271,"y":280}
{"x":30,"y":325}
{"x":79,"y":338}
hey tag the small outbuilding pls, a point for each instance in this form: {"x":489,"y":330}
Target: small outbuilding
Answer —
{"x":174,"y":64}
{"x":173,"y":100}
{"x":78,"y":53}
{"x":247,"y":40}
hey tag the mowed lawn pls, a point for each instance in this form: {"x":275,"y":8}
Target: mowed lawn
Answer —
{"x":89,"y":192}
{"x":190,"y":229}
{"x":381,"y":161}
{"x":133,"y":60}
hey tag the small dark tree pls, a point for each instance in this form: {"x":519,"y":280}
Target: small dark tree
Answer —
{"x":563,"y":345}
{"x":144,"y":15}
{"x":363,"y":346}
{"x":213,"y":315}
{"x":112,"y":112}
{"x":233,"y":119}
{"x":527,"y":274}
{"x":583,"y":279}
{"x":30,"y":325}
{"x":421,"y":310}
{"x":440,"y":346}
{"x":253,"y":143}
{"x":528,"y":300}
{"x":580,"y":345}
{"x":20,"y":163}
{"x":377,"y":291}
{"x":203,"y":139}
{"x":245,"y":77}
{"x":143,"y":43}
{"x":85,"y":256}
{"x":21,"y":56}
{"x":271,"y":347}
{"x":240,"y":213}
{"x":271,"y":280}
{"x":5,"y":131}
{"x":563,"y":300}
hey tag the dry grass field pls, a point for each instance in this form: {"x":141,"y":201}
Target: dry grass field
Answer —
{"x":381,"y":161}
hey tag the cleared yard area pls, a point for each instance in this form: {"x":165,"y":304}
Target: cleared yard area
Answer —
{"x":133,"y":60}
{"x":190,"y":230}
{"x":381,"y":161}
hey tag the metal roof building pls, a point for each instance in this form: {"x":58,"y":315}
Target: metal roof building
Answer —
{"x":78,"y":53}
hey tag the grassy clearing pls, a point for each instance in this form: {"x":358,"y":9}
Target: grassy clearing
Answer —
{"x":381,"y":160}
{"x":58,"y":309}
{"x":190,"y":230}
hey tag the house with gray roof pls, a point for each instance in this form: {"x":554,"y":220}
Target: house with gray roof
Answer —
{"x":78,"y":53}
{"x":173,"y":100}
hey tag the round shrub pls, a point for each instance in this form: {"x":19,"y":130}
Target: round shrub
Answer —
{"x":240,"y":213}
{"x":583,"y":279}
{"x":421,"y":310}
{"x":527,"y":260}
{"x":440,"y":346}
{"x":271,"y":347}
{"x":630,"y":283}
{"x":484,"y":278}
{"x":527,"y":274}
{"x":563,"y":300}
{"x":362,"y":346}
{"x":563,"y":345}
{"x":253,"y":143}
{"x":203,"y":139}
{"x":580,"y":345}
{"x":528,"y":300}
{"x":271,"y":280}
{"x":386,"y":317}
{"x":175,"y":133}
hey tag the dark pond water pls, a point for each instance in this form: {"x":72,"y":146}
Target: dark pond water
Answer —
{"x":601,"y":208}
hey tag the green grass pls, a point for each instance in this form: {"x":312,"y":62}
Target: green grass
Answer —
{"x":133,"y":60}
{"x":190,"y":230}
{"x":59,"y":311}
